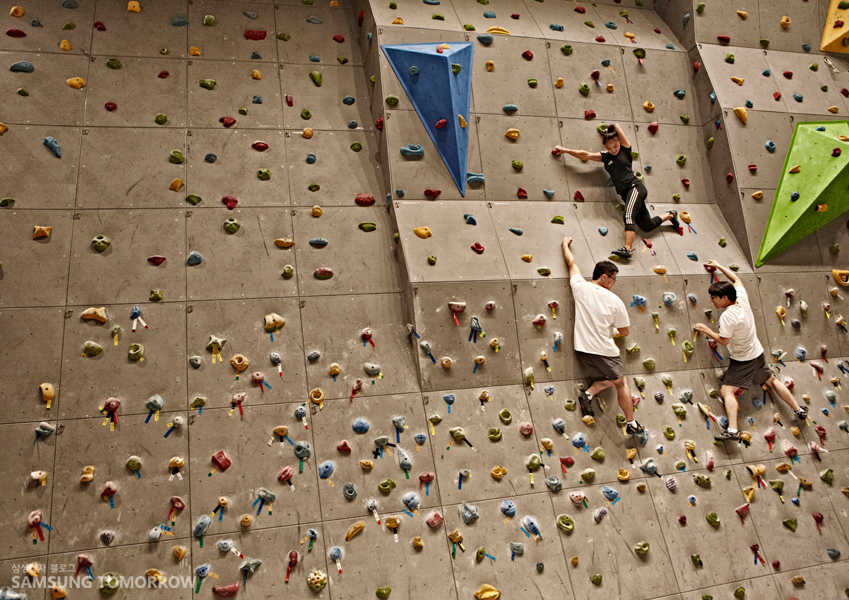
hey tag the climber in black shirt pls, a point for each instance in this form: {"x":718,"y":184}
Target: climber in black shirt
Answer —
{"x":617,"y":162}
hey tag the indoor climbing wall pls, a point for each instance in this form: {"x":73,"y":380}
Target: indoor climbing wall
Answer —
{"x":284,"y":309}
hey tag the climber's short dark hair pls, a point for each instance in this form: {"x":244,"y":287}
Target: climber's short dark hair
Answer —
{"x":723,"y":288}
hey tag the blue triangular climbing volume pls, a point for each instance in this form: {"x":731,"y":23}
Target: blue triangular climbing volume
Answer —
{"x":438,"y":93}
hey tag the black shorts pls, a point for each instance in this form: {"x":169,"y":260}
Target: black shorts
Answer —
{"x":597,"y":367}
{"x":742,"y":374}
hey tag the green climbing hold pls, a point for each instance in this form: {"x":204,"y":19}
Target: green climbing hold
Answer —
{"x":243,"y":111}
{"x":313,"y":187}
{"x":396,"y":237}
{"x":696,"y":559}
{"x":367,"y":226}
{"x":740,"y":593}
{"x":833,"y":248}
{"x":505,"y":416}
{"x":668,"y":432}
{"x":469,"y":27}
{"x":517,"y":164}
{"x":480,"y":554}
{"x":598,"y":454}
{"x":764,"y":43}
{"x":288,"y":271}
{"x":69,"y":26}
{"x":602,"y":128}
{"x":438,"y":17}
{"x":729,"y":58}
{"x":342,"y":60}
{"x":565,"y":523}
{"x":161,"y":119}
{"x":570,"y":404}
{"x":306,"y":114}
{"x":455,"y":68}
{"x":681,"y":160}
{"x":566,"y":49}
{"x":6,"y":202}
{"x":641,"y":548}
{"x":595,"y":579}
{"x":532,"y":82}
{"x":640,"y":52}
{"x":316,"y":78}
{"x":109,"y":583}
{"x":177,"y":157}
{"x":393,"y":5}
{"x":193,"y":199}
{"x":371,"y":80}
{"x":713,"y":519}
{"x":584,"y":89}
{"x":722,"y":242}
{"x":284,"y":36}
{"x":634,"y":155}
{"x":356,"y":146}
{"x":494,"y":434}
{"x":155,"y":295}
{"x":209,"y":21}
{"x":815,"y":67}
{"x":827,"y":476}
{"x":232,"y":225}
{"x":589,"y":24}
{"x":558,"y":219}
{"x":383,"y":592}
{"x":544,"y":271}
{"x":391,"y":99}
{"x":709,"y":143}
{"x":702,"y":480}
{"x":114,"y":63}
{"x":824,"y":88}
{"x":208,"y":84}
{"x":700,"y":8}
{"x":649,"y":363}
{"x":22,"y":92}
{"x":676,"y":197}
{"x":263,"y":174}
{"x":431,"y":260}
{"x":684,"y":118}
{"x":843,"y":5}
{"x":164,"y":51}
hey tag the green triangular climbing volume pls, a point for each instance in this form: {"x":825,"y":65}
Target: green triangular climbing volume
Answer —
{"x":822,"y":181}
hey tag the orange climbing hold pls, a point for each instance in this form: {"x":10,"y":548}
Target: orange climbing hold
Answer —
{"x":133,"y":6}
{"x":3,"y":128}
{"x":17,"y":11}
{"x":194,"y":51}
{"x":65,"y":45}
{"x":176,"y":184}
{"x":76,"y":82}
{"x":398,"y":21}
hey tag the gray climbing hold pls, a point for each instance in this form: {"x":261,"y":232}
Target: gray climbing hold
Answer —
{"x":713,"y":97}
{"x":194,"y":258}
{"x":485,"y":39}
{"x":23,"y":66}
{"x":692,"y":255}
{"x":554,"y":27}
{"x":352,"y":124}
{"x":489,"y":15}
{"x":470,"y":219}
{"x":412,"y":150}
{"x":794,"y":196}
{"x":251,"y":14}
{"x":767,"y":73}
{"x":257,"y":100}
{"x":314,"y":58}
{"x":686,"y":19}
{"x":210,"y":158}
{"x":196,"y":361}
{"x":749,"y":104}
{"x":611,"y":25}
{"x":798,"y":97}
{"x":179,"y":21}
{"x":679,"y":94}
{"x":770,"y":145}
{"x":509,"y":108}
{"x":349,"y":100}
{"x":670,"y":46}
{"x":820,"y":128}
{"x":255,"y":56}
{"x":310,"y":158}
{"x":399,"y":193}
{"x":603,"y":230}
{"x":314,"y":20}
{"x":53,"y":146}
{"x":516,"y":230}
{"x":413,"y":70}
{"x":548,"y":193}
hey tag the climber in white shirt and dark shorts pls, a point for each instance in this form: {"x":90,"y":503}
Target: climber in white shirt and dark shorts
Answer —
{"x":747,"y":363}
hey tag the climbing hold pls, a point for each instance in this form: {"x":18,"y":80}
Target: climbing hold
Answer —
{"x":785,"y":22}
{"x":738,"y":80}
{"x":681,"y":160}
{"x":648,"y":106}
{"x":76,"y":82}
{"x":53,"y":146}
{"x":194,"y":258}
{"x":517,"y":165}
{"x":208,"y":84}
{"x":742,"y":114}
{"x":584,"y":89}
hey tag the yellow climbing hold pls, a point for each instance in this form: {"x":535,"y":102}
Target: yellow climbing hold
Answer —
{"x":738,"y":80}
{"x":133,"y":6}
{"x":41,"y":231}
{"x":513,"y":134}
{"x":398,"y":21}
{"x":422,"y":232}
{"x":17,"y":11}
{"x":354,"y":530}
{"x":65,"y":45}
{"x":445,"y":46}
{"x":833,"y":110}
{"x":628,"y":35}
{"x":463,"y":123}
{"x":487,"y":592}
{"x":284,"y":242}
{"x":527,"y":257}
{"x":648,"y":106}
{"x":742,"y":14}
{"x":3,"y":128}
{"x":843,"y":138}
{"x":796,"y":169}
{"x":822,"y":207}
{"x":256,"y":74}
{"x":559,"y":82}
{"x":758,"y":195}
{"x":659,"y":269}
{"x":785,"y":22}
{"x":176,"y":184}
{"x":307,"y":133}
{"x":316,"y":211}
{"x":490,"y":65}
{"x":609,"y":87}
{"x":194,"y":51}
{"x":498,"y":30}
{"x":76,"y":82}
{"x":742,"y":114}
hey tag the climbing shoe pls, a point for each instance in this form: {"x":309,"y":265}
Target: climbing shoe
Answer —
{"x":674,"y":220}
{"x":586,"y":403}
{"x":727,"y":435}
{"x":802,"y":413}
{"x":635,"y":428}
{"x":623,"y":252}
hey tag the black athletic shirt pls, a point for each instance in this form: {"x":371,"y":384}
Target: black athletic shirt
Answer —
{"x":619,"y":168}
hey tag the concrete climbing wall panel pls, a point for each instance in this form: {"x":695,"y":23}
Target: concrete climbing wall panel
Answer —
{"x":319,"y":40}
{"x":336,"y":83}
{"x":514,"y":75}
{"x":661,"y":75}
{"x":333,"y":318}
{"x":577,"y":68}
{"x":450,"y":231}
{"x":806,"y":83}
{"x":513,"y":17}
{"x":725,"y":18}
{"x":21,"y":261}
{"x":749,"y":64}
{"x":333,"y":423}
{"x":806,"y":24}
{"x":839,"y":308}
{"x":154,"y":30}
{"x":511,"y":451}
{"x":702,"y":88}
{"x":44,"y":39}
{"x":50,"y":101}
{"x":146,"y":184}
{"x":235,"y":89}
{"x":835,"y":232}
{"x":750,"y":145}
{"x":642,"y":24}
{"x":414,"y":175}
{"x":25,"y":154}
{"x":661,"y":150}
{"x":537,"y":170}
{"x":230,"y":269}
{"x":226,"y":39}
{"x":573,"y":22}
{"x":678,"y":16}
{"x":827,"y":579}
{"x":372,"y":271}
{"x":416,"y":15}
{"x":434,"y":323}
{"x":241,"y":324}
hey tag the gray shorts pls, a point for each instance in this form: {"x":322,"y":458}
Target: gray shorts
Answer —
{"x":597,"y":367}
{"x":742,"y":374}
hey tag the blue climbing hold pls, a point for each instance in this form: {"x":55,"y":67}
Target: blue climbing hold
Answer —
{"x":194,"y":258}
{"x":749,"y":104}
{"x":369,"y":39}
{"x":433,"y":2}
{"x":255,"y":56}
{"x":692,"y":255}
{"x":310,"y":158}
{"x":349,"y":100}
{"x":806,"y":47}
{"x":352,"y":124}
{"x":23,"y":66}
{"x":314,"y":20}
{"x":603,"y":230}
{"x":713,"y":97}
{"x":611,"y":25}
{"x":412,"y":150}
{"x":489,"y":15}
{"x":470,"y":219}
{"x":474,"y":178}
{"x":70,"y":4}
{"x":361,"y":426}
{"x":318,"y":242}
{"x":399,"y":193}
{"x":179,"y":21}
{"x":798,"y":97}
{"x":210,"y":158}
{"x":670,"y":46}
{"x":314,"y":58}
{"x":686,"y":19}
{"x":554,"y":27}
{"x":509,"y":108}
{"x":485,"y":39}
{"x":767,"y":73}
{"x":795,"y":501}
{"x":820,"y":128}
{"x":794,"y":196}
{"x":53,"y":146}
{"x":548,"y":193}
{"x":413,"y":70}
{"x":679,"y":94}
{"x":605,"y":62}
{"x":257,"y":100}
{"x":647,"y":168}
{"x":770,"y":145}
{"x":516,"y":230}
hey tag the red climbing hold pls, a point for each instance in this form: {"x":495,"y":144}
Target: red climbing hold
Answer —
{"x":344,"y":446}
{"x":110,"y":106}
{"x":600,"y":39}
{"x":432,"y":193}
{"x":696,"y":67}
{"x":555,"y":152}
{"x":788,"y":74}
{"x":776,"y":564}
{"x":595,"y":74}
{"x":439,"y":49}
{"x":686,"y":183}
{"x":777,"y":95}
{"x":656,"y":30}
{"x":527,"y":55}
{"x":441,"y":123}
{"x":289,"y":101}
{"x":522,"y":193}
{"x":579,"y":197}
{"x":254,"y":34}
{"x":477,"y":247}
{"x":379,"y":124}
{"x":729,"y":177}
{"x":589,"y":114}
{"x":653,"y":127}
{"x":835,"y":152}
{"x":163,"y":74}
{"x":725,"y":39}
{"x":753,"y":168}
{"x":15,"y":33}
{"x":338,"y":39}
{"x":360,"y":17}
{"x":364,"y":200}
{"x":228,"y":121}
{"x":230,"y":202}
{"x":682,"y":519}
{"x":580,"y":10}
{"x":838,"y":24}
{"x":259,"y":146}
{"x":99,"y":26}
{"x":515,"y":16}
{"x":845,"y":92}
{"x":156,"y":260}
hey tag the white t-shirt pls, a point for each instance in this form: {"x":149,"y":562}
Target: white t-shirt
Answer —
{"x":597,"y":310}
{"x":738,"y":323}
